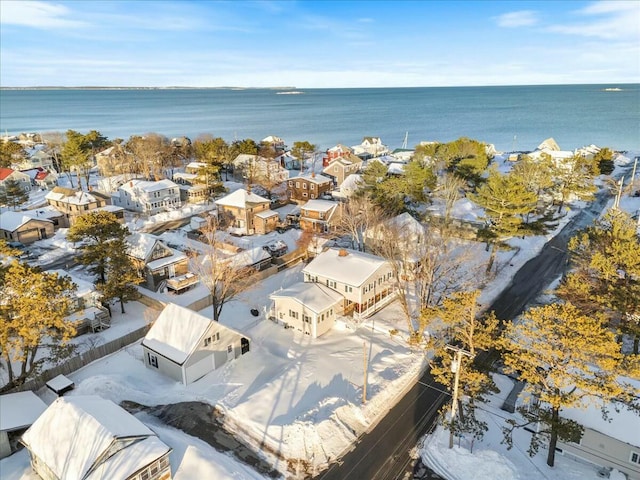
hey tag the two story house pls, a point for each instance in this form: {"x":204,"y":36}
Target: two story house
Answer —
{"x":255,"y":169}
{"x":319,"y":216}
{"x":148,"y":197}
{"x":335,"y":152}
{"x":9,"y":174}
{"x":247,"y":213}
{"x":308,"y":186}
{"x":73,"y":203}
{"x":340,"y":168}
{"x":157,"y":263}
{"x":365,"y":281}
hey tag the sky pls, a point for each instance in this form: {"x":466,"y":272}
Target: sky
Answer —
{"x":318,"y":44}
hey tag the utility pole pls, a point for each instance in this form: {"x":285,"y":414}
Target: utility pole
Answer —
{"x":456,"y":366}
{"x":616,"y":203}
{"x":364,"y":384}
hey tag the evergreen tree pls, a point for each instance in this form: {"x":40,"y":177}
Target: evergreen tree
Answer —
{"x":568,"y":360}
{"x":10,"y":152}
{"x":607,"y":271}
{"x":504,"y":199}
{"x":417,"y":178}
{"x":33,"y":310}
{"x":604,"y":161}
{"x":301,"y":150}
{"x":121,"y":275}
{"x":574,"y":178}
{"x":12,"y":194}
{"x":456,"y":322}
{"x":95,"y":230}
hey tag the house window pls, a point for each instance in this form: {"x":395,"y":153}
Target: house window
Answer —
{"x":207,"y":341}
{"x":153,"y":360}
{"x":291,"y":184}
{"x":313,"y":196}
{"x":635,"y":458}
{"x":297,"y":184}
{"x":335,"y":169}
{"x":304,"y":194}
{"x":229,"y":348}
{"x":312,"y":187}
{"x":304,"y":186}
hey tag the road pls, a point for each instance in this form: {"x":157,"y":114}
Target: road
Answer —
{"x":384,"y":452}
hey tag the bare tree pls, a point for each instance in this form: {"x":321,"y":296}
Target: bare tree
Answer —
{"x":427,"y":267}
{"x":358,"y":215}
{"x":449,"y":189}
{"x":218,"y":271}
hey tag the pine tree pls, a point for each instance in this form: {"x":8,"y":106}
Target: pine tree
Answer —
{"x":95,"y":230}
{"x":10,"y":152}
{"x":33,"y":308}
{"x":568,"y":360}
{"x":607,"y":271}
{"x":456,"y":322}
{"x":12,"y":194}
{"x":504,"y":199}
{"x":574,"y":178}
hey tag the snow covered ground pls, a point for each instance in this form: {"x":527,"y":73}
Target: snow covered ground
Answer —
{"x":489,"y":458}
{"x":298,"y":396}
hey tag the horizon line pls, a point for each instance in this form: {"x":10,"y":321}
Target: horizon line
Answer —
{"x":187,"y":87}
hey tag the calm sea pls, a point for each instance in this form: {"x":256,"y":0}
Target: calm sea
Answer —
{"x":512,"y":118}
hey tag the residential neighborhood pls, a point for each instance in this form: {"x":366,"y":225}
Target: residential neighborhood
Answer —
{"x":262,"y":307}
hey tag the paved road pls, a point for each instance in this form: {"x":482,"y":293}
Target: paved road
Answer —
{"x":384,"y":453}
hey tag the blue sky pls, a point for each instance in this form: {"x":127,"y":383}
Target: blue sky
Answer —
{"x":318,"y":44}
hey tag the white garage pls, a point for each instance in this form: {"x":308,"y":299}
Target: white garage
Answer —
{"x":186,"y":346}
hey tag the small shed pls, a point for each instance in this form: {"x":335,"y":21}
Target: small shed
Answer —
{"x":60,"y":385}
{"x":18,"y":411}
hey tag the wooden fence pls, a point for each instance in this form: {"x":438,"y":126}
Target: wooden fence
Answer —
{"x":85,"y":358}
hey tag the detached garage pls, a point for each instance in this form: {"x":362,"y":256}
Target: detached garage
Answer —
{"x":186,"y":346}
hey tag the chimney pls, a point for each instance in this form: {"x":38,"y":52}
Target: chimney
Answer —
{"x":342,"y":252}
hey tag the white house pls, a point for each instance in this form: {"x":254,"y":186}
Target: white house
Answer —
{"x":148,"y":197}
{"x":370,"y":147}
{"x":18,"y":411}
{"x":613,"y":443}
{"x":310,"y":308}
{"x":365,"y":281}
{"x":87,"y":437}
{"x":185,"y":345}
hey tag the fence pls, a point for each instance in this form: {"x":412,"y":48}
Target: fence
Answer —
{"x":75,"y":363}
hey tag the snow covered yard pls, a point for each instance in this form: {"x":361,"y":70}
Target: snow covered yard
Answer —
{"x":489,"y":458}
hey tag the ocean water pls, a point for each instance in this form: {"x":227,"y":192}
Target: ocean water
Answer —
{"x":511,"y":118}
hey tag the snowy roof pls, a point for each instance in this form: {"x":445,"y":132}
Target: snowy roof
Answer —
{"x":73,"y":197}
{"x":176,"y":332}
{"x":47,"y":212}
{"x":11,"y":221}
{"x":623,"y":425}
{"x":59,"y":383}
{"x":141,"y":245}
{"x":314,"y":296}
{"x":196,"y":165}
{"x":354,"y":268}
{"x":396,"y":169}
{"x":353,"y":182}
{"x":407,"y":224}
{"x":109,"y":208}
{"x":319,"y":205}
{"x":19,"y":410}
{"x":272,"y":139}
{"x":250,"y":257}
{"x":163,"y":262}
{"x":84,"y":287}
{"x":240,"y":198}
{"x":75,"y":436}
{"x":147,"y":186}
{"x":312,"y":178}
{"x":549,"y":143}
{"x":266,"y":214}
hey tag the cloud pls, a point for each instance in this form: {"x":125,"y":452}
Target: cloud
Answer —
{"x":521,"y":18}
{"x":38,"y":15}
{"x":607,"y":20}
